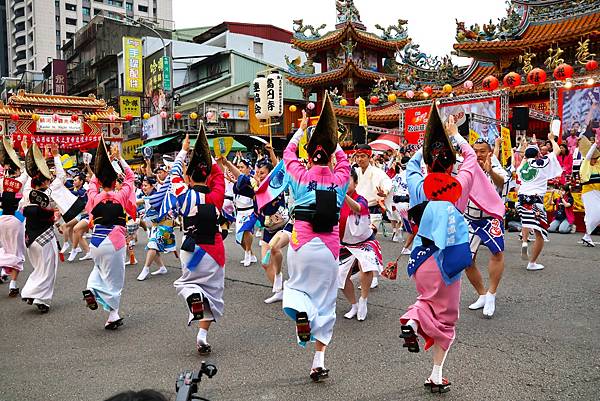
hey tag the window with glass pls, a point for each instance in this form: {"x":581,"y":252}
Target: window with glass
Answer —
{"x":85,"y":11}
{"x":143,"y":9}
{"x":70,"y":21}
{"x":70,"y":7}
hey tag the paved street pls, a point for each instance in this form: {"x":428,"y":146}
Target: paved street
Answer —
{"x":542,"y":344}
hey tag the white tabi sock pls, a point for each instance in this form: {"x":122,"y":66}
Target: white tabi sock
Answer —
{"x":201,"y":338}
{"x":278,"y":283}
{"x":319,"y":360}
{"x":413,"y":324}
{"x":436,"y":374}
{"x":113,"y":315}
{"x":13,"y":284}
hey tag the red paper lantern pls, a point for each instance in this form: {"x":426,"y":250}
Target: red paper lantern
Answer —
{"x":14,"y":117}
{"x":591,"y":65}
{"x":536,"y":76}
{"x":374,"y":100}
{"x":177,"y":115}
{"x":74,"y":117}
{"x":428,"y":89}
{"x":225,"y":115}
{"x":490,"y":83}
{"x":563,"y":71}
{"x":512,"y":79}
{"x":129,"y":117}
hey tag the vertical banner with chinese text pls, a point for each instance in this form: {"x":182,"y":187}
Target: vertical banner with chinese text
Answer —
{"x":132,"y":55}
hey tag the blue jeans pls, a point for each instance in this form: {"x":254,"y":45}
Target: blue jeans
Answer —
{"x":562,"y":227}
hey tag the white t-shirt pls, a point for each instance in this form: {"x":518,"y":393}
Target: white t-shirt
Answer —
{"x":535,"y":173}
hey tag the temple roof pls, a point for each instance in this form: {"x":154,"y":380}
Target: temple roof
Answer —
{"x":325,"y":78}
{"x":531,"y":24}
{"x":538,"y":36}
{"x":348,"y":31}
{"x":24,"y":99}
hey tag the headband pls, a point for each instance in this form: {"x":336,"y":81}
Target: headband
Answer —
{"x":368,"y":152}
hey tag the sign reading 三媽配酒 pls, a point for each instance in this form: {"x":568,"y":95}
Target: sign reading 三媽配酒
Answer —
{"x":166,"y":73}
{"x":58,"y":124}
{"x":132,"y":50}
{"x":130,"y":105}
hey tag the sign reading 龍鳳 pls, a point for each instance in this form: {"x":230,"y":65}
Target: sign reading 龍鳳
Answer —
{"x":132,"y":50}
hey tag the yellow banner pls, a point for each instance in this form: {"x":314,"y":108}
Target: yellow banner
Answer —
{"x":302,"y":154}
{"x":473,"y":136}
{"x":222,"y":146}
{"x":130,"y":105}
{"x":506,"y":146}
{"x":132,"y":51}
{"x":130,"y":148}
{"x":362,"y":112}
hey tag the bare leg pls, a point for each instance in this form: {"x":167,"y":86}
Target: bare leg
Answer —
{"x":158,"y":260}
{"x":538,"y":245}
{"x":409,"y":240}
{"x":474,"y":276}
{"x":349,"y":289}
{"x":269,"y":268}
{"x":365,"y":283}
{"x":247,"y":241}
{"x":319,"y":346}
{"x":150,"y":256}
{"x":496,"y":268}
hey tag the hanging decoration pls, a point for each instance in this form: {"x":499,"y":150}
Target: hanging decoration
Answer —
{"x":536,"y":76}
{"x":512,"y":80}
{"x":163,"y":114}
{"x":260,"y":97}
{"x":74,"y":117}
{"x":468,"y":85}
{"x":563,"y":72}
{"x":241,"y":114}
{"x":35,"y":117}
{"x":428,"y":90}
{"x":447,"y":89}
{"x":275,"y":95}
{"x":193,"y":115}
{"x":210,"y":115}
{"x":357,"y":101}
{"x":293,"y":108}
{"x":112,"y":117}
{"x":14,"y":117}
{"x":225,"y":115}
{"x":374,"y":100}
{"x":490,"y":83}
{"x":128,"y":117}
{"x":409,"y":94}
{"x":343,"y":103}
{"x":177,"y":116}
{"x":94,"y":117}
{"x":392,"y":98}
{"x":591,"y":65}
{"x":310,"y":106}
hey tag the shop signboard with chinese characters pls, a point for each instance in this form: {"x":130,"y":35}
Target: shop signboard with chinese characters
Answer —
{"x":58,"y":124}
{"x":59,"y":77}
{"x":166,"y":73}
{"x":132,"y":50}
{"x":155,"y":83}
{"x":130,"y":105}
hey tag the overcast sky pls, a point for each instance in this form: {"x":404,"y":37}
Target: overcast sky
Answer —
{"x":430,"y":22}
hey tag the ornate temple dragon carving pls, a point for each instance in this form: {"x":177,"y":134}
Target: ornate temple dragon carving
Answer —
{"x":300,"y":30}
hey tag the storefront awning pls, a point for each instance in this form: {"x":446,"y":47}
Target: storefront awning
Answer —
{"x":158,"y":141}
{"x":234,"y":148}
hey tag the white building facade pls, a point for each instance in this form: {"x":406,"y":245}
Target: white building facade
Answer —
{"x":37,"y":29}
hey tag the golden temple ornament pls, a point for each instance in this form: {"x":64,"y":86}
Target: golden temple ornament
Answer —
{"x":554,"y":59}
{"x":525,"y":59}
{"x":583,"y":54}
